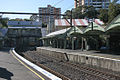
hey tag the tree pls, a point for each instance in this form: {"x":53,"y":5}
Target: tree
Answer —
{"x":67,"y":13}
{"x":90,"y":12}
{"x":103,"y":15}
{"x":3,"y":21}
{"x":82,"y":12}
{"x":34,"y":18}
{"x":27,"y":20}
{"x":17,"y":19}
{"x":77,"y":13}
{"x":44,"y":25}
{"x":114,"y":10}
{"x":115,"y":1}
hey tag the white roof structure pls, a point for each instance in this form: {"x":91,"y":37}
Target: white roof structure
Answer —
{"x":99,"y":22}
{"x":24,"y":24}
{"x":24,"y":27}
{"x":58,"y":32}
{"x":15,"y":23}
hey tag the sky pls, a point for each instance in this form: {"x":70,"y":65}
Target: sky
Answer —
{"x":32,"y":6}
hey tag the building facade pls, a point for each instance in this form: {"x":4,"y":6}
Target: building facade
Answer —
{"x":49,"y":19}
{"x":98,"y":4}
{"x":23,"y":34}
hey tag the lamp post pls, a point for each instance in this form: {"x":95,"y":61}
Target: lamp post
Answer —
{"x":71,"y":19}
{"x":91,"y":22}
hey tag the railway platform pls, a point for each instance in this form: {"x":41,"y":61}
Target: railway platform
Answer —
{"x":108,"y":61}
{"x":12,"y":68}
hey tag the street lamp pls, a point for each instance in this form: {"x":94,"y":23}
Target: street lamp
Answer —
{"x":91,"y":22}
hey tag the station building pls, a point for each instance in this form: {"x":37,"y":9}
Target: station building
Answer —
{"x":76,"y":37}
{"x":85,"y":37}
{"x":3,"y":32}
{"x":23,"y":33}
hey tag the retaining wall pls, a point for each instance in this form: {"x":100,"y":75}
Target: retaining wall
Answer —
{"x":108,"y":63}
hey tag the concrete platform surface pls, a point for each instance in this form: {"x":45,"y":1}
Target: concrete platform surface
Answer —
{"x":79,"y":52}
{"x":108,"y":61}
{"x":11,"y":69}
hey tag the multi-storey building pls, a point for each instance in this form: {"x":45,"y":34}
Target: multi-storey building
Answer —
{"x":49,"y":19}
{"x":98,"y":4}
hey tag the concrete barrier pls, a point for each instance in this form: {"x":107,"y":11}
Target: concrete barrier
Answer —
{"x":103,"y":62}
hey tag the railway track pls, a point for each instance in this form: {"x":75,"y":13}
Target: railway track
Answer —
{"x":95,"y":72}
{"x":68,"y":69}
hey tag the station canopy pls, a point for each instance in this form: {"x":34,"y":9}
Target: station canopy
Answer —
{"x":97,"y":29}
{"x":57,"y":32}
{"x":65,"y":32}
{"x":24,"y":23}
{"x":114,"y":25}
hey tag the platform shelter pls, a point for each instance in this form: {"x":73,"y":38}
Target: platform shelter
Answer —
{"x":66,"y":38}
{"x":113,"y":34}
{"x":92,"y":37}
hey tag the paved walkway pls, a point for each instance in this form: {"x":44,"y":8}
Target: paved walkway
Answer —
{"x":11,"y":69}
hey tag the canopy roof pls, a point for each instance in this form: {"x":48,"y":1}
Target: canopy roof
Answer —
{"x":96,"y":27}
{"x":74,"y":30}
{"x":24,"y":27}
{"x":23,"y":23}
{"x":67,"y":31}
{"x":76,"y":22}
{"x":114,"y":24}
{"x":58,"y":32}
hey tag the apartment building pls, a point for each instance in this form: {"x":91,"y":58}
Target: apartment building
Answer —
{"x":98,"y":4}
{"x":49,"y":19}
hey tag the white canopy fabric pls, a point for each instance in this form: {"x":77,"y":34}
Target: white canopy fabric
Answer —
{"x":58,"y":32}
{"x":95,"y":27}
{"x":69,"y":31}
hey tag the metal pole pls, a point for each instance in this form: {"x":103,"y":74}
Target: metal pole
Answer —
{"x":92,"y":25}
{"x":71,"y":19}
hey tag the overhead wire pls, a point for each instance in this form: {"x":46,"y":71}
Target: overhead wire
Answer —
{"x":62,"y":1}
{"x":58,"y":2}
{"x":68,"y":7}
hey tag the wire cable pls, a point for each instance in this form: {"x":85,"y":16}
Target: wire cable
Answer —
{"x":58,"y":2}
{"x":68,"y":7}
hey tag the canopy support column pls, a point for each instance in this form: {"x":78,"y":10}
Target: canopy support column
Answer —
{"x":82,"y":44}
{"x":86,"y":46}
{"x":65,"y":44}
{"x":107,"y":43}
{"x":72,"y":44}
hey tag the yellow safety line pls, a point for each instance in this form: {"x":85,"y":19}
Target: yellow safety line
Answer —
{"x":28,"y":67}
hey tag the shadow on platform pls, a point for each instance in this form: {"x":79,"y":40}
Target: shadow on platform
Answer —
{"x":109,"y":52}
{"x":5,"y":74}
{"x":5,"y":49}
